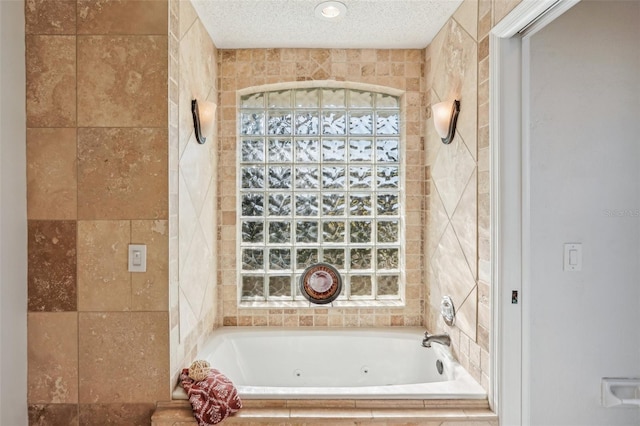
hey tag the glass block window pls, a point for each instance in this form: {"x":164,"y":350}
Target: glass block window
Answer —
{"x":319,"y":181}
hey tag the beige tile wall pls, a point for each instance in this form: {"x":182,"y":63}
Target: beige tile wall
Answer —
{"x":193,"y":187}
{"x":98,"y":71}
{"x":399,"y":69}
{"x":457,"y":233}
{"x":452,"y":222}
{"x":97,"y":181}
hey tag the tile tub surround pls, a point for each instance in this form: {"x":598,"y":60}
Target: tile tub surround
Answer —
{"x":193,"y":186}
{"x":457,"y":254}
{"x":467,"y":198}
{"x":398,"y":69}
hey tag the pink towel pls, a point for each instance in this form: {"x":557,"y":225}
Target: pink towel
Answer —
{"x":213,"y":399}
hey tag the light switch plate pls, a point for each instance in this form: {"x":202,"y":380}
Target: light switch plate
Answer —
{"x":572,"y":257}
{"x":137,"y":258}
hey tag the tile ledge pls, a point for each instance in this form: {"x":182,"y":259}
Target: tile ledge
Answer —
{"x":169,"y":413}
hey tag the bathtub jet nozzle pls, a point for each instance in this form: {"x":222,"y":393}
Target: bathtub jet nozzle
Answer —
{"x":443,"y":339}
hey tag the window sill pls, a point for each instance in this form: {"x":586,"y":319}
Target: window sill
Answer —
{"x":301,"y":304}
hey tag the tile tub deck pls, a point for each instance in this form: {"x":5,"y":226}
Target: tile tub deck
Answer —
{"x":340,"y":412}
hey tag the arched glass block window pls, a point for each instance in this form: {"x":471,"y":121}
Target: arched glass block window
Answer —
{"x":320,"y":180}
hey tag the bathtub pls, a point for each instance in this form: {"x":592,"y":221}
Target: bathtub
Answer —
{"x":301,"y":363}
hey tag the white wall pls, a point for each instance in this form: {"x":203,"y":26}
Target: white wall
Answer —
{"x":13,"y":217}
{"x":585,"y":187}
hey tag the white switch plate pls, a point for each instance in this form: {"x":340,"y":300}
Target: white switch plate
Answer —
{"x":573,"y":257}
{"x":137,"y":258}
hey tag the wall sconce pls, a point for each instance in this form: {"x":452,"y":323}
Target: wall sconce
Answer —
{"x":445,"y":117}
{"x":203,"y":119}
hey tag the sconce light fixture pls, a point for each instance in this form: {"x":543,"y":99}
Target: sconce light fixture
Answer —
{"x":445,"y":117}
{"x":203,"y":119}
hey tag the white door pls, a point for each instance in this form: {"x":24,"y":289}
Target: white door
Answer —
{"x":565,"y":108}
{"x":581,"y":122}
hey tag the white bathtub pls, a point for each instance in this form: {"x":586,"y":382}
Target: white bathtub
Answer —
{"x":276,"y":363}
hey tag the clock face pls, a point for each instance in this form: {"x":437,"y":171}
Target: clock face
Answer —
{"x":320,"y":283}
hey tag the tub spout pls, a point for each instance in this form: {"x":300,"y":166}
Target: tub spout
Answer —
{"x":443,"y":339}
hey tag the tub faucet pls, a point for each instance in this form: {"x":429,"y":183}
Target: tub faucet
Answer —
{"x":443,"y":339}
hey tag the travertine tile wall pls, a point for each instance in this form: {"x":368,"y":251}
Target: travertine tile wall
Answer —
{"x":96,"y":131}
{"x":457,"y":234}
{"x":97,"y":138}
{"x":192,"y":187}
{"x":400,"y":69}
{"x":452,"y":249}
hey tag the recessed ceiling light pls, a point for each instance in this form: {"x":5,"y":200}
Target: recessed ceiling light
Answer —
{"x":330,"y":10}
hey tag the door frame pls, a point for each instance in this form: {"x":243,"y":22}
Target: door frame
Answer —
{"x":509,"y":204}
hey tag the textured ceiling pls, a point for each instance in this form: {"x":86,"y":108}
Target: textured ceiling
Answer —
{"x":383,"y":24}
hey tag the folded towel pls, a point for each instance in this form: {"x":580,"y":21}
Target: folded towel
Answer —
{"x":213,"y":399}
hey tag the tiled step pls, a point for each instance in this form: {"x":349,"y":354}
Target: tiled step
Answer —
{"x":178,"y":413}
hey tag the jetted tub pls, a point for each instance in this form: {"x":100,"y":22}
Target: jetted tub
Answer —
{"x":301,"y":363}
